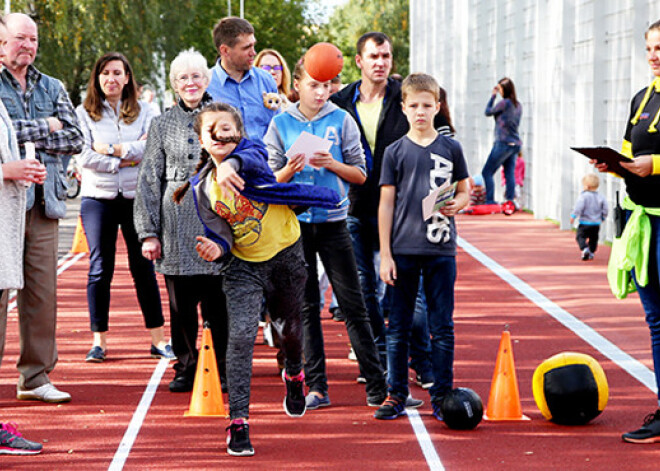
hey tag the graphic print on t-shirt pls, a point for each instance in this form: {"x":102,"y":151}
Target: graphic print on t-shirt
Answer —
{"x":244,"y":218}
{"x":438,"y":229}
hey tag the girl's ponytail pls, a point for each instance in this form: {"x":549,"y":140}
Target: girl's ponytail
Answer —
{"x":180,"y":192}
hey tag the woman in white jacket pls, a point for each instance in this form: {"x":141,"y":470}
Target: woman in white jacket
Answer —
{"x":114,"y":126}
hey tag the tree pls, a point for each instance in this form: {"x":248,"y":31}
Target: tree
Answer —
{"x":357,"y":17}
{"x":73,"y":34}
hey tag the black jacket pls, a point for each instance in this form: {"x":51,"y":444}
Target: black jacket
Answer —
{"x":392,"y":125}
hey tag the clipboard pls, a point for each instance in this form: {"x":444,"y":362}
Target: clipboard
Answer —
{"x":607,"y":155}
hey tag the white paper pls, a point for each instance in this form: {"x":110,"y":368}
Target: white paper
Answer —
{"x":437,"y":199}
{"x":308,"y":144}
{"x":30,"y":154}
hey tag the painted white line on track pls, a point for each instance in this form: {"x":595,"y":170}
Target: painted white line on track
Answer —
{"x":424,"y":440}
{"x":140,"y":413}
{"x":632,"y":366}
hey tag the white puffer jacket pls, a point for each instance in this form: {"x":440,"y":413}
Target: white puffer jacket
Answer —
{"x":101,"y":176}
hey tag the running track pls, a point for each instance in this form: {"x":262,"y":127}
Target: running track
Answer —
{"x":513,"y":271}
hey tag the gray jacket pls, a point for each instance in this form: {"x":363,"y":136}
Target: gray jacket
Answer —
{"x":12,"y":210}
{"x":169,"y":160}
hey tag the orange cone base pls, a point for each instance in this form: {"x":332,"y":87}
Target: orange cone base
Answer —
{"x":206,"y":399}
{"x":508,"y":419}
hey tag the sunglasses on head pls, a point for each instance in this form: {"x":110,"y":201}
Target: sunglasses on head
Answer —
{"x":268,"y":68}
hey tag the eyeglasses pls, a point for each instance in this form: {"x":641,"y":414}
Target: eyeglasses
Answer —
{"x":185,"y":78}
{"x":268,"y":68}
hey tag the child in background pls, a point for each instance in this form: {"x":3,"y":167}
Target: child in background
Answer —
{"x":590,"y":209}
{"x":239,"y":203}
{"x":324,"y":232}
{"x":477,"y":190}
{"x":411,"y":246}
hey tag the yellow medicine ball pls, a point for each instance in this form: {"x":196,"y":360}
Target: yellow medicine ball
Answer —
{"x":570,"y":388}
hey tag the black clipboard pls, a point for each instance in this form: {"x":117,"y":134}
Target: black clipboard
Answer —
{"x":607,"y":155}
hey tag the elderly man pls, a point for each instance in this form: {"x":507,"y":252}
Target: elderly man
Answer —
{"x":41,"y":113}
{"x":235,"y":81}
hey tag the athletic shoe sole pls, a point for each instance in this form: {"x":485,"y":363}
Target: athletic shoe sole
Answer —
{"x":248,"y":452}
{"x":18,"y":451}
{"x":293,"y":415}
{"x":391,"y":417}
{"x":655,"y":439}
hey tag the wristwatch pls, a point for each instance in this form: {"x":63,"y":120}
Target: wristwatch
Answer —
{"x":111,"y":149}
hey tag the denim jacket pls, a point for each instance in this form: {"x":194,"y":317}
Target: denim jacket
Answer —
{"x":46,"y":97}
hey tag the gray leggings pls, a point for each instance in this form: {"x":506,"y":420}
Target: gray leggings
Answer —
{"x":281,"y":281}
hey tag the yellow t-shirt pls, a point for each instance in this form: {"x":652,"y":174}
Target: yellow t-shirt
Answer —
{"x":260,"y":230}
{"x":369,"y":114}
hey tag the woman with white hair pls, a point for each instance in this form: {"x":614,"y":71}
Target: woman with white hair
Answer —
{"x":168,"y":230}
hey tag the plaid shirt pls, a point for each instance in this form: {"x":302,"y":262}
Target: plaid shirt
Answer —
{"x":68,"y":140}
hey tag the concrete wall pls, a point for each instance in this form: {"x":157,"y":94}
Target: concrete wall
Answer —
{"x":576,"y":65}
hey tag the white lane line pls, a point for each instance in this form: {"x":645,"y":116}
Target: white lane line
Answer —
{"x":140,"y":413}
{"x":424,"y":440}
{"x":632,"y":366}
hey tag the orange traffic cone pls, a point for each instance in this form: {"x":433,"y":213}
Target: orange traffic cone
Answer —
{"x":206,"y":400}
{"x":79,"y":239}
{"x":504,"y":399}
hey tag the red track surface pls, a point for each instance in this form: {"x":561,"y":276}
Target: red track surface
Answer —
{"x":85,"y":434}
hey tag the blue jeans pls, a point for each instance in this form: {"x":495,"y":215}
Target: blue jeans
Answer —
{"x":101,"y":220}
{"x":364,"y":234}
{"x":331,"y":241}
{"x":505,"y":155}
{"x":650,"y":296}
{"x":420,"y":340}
{"x":439,"y":277}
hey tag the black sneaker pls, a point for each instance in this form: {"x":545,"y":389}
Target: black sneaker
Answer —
{"x":13,"y":443}
{"x":392,"y":408}
{"x":585,"y":254}
{"x":649,"y":433}
{"x":238,"y":439}
{"x":437,"y":409}
{"x":424,"y":381}
{"x":294,"y":402}
{"x":182,"y":384}
{"x":337,"y":315}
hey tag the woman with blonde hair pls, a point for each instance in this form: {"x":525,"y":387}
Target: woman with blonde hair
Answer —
{"x":272,"y":61}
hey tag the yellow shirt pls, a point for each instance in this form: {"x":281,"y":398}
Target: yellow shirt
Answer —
{"x":260,"y":230}
{"x":369,"y":114}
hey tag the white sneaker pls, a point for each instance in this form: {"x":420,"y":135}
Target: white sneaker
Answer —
{"x":46,"y":392}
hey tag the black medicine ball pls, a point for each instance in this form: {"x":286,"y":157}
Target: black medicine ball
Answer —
{"x":462,"y":409}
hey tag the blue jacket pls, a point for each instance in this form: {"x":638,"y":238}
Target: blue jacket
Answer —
{"x":260,"y":185}
{"x":331,"y":123}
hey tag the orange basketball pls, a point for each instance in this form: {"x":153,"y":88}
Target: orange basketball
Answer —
{"x":323,"y":61}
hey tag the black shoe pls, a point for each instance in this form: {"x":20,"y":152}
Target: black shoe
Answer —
{"x":585,"y":254}
{"x":181,"y":384}
{"x":337,"y":315}
{"x":649,"y":433}
{"x":425,"y":381}
{"x":392,"y":408}
{"x":437,"y":409}
{"x":238,"y":439}
{"x":294,"y":402}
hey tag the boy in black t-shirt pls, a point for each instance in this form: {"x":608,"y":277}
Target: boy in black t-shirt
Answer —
{"x":413,"y":167}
